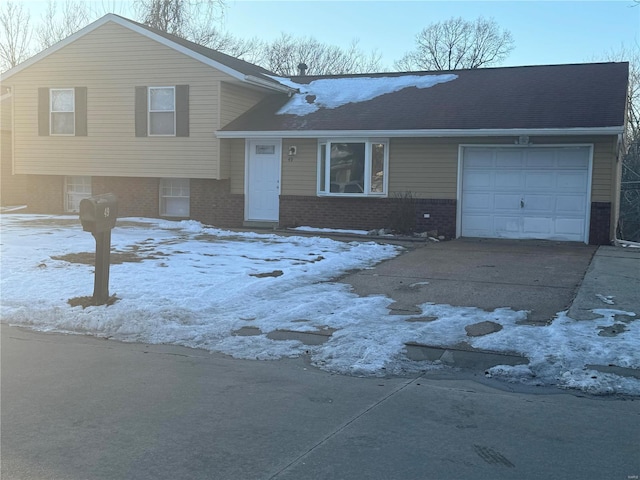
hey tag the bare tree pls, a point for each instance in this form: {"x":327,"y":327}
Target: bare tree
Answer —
{"x":190,"y":19}
{"x":15,"y":35}
{"x":195,"y":20}
{"x":284,"y":54}
{"x":629,"y":223}
{"x":457,"y":43}
{"x":58,"y":25}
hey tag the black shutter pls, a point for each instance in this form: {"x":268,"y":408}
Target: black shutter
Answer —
{"x":43,"y":112}
{"x":182,"y":110}
{"x":141,"y":112}
{"x":81,"y":111}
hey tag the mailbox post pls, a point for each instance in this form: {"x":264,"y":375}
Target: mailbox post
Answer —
{"x":98,"y":215}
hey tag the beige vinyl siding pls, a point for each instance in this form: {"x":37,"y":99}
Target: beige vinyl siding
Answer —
{"x":299,"y":175}
{"x":111,"y":61}
{"x":425,"y":167}
{"x":236,"y":148}
{"x":428,"y":167}
{"x":234,"y":101}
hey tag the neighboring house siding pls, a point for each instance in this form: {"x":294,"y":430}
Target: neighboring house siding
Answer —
{"x":234,"y":101}
{"x":110,"y":62}
{"x":13,"y":188}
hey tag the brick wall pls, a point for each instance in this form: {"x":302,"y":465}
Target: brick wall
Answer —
{"x":600,"y":223}
{"x":213,"y":204}
{"x":45,"y":194}
{"x":137,"y":197}
{"x":367,"y":213}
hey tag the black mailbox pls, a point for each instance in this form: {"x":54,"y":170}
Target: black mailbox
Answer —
{"x":99,"y":213}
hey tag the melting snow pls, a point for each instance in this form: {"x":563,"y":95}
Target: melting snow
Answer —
{"x":197,"y":286}
{"x":335,"y":92}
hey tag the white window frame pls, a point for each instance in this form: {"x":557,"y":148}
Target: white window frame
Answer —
{"x":179,"y":193}
{"x":150,"y":111}
{"x":71,"y":181}
{"x":52,"y":111}
{"x":325,"y":144}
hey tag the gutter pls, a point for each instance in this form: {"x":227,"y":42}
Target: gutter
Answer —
{"x":435,"y":133}
{"x":260,"y":82}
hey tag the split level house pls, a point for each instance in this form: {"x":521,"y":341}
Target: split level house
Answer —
{"x":178,"y":130}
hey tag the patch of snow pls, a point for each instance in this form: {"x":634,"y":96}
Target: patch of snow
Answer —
{"x":608,"y":299}
{"x":335,"y":92}
{"x":330,"y":230}
{"x":195,"y":287}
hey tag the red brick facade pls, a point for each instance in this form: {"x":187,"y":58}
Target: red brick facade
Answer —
{"x":213,"y":204}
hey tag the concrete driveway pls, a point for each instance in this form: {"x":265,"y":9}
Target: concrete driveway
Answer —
{"x":539,"y":276}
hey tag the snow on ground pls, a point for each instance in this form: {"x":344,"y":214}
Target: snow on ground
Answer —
{"x":335,"y":92}
{"x":195,"y":286}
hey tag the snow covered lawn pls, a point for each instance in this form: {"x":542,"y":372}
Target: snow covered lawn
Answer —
{"x":187,"y":284}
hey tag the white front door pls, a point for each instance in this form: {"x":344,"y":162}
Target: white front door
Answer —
{"x":530,"y":192}
{"x":262,"y":185}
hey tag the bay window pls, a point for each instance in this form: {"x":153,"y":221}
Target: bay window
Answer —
{"x":353,"y":167}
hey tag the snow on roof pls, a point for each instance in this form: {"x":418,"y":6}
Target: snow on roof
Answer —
{"x":335,"y":92}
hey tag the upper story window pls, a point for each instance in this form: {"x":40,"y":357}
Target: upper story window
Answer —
{"x":162,"y":111}
{"x":63,"y":116}
{"x":62,"y":111}
{"x":353,"y":168}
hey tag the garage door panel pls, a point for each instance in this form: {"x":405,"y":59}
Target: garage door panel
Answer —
{"x":479,"y":180}
{"x":480,"y":158}
{"x":508,"y":180}
{"x":505,"y":201}
{"x":509,"y":158}
{"x":552,"y":184}
{"x":537,"y":226}
{"x":572,"y":181}
{"x":540,"y":158}
{"x":573,"y":158}
{"x":478,"y":201}
{"x":478,"y":226}
{"x":535,"y":181}
{"x":503,"y":224}
{"x":570,"y":227}
{"x":568,"y":205}
{"x":539,"y":203}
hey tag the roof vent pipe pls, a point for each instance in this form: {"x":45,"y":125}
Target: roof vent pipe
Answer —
{"x":302,"y":68}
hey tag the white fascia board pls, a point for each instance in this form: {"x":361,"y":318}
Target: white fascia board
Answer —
{"x":270,"y":85}
{"x":421,"y":133}
{"x":151,"y":35}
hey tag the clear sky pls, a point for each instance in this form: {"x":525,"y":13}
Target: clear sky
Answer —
{"x":545,"y":32}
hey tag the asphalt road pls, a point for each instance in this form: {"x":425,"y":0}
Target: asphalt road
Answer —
{"x":76,"y":407}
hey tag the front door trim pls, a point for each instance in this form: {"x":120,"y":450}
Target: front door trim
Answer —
{"x":249,"y":144}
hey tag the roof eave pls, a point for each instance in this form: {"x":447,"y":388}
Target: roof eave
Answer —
{"x":481,"y":132}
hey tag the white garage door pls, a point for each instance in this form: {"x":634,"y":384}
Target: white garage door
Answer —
{"x":532,"y":192}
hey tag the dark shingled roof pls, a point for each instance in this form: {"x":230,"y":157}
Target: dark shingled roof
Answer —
{"x":534,"y":97}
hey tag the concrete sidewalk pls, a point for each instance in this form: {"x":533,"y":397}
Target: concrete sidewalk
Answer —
{"x":611,"y":281}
